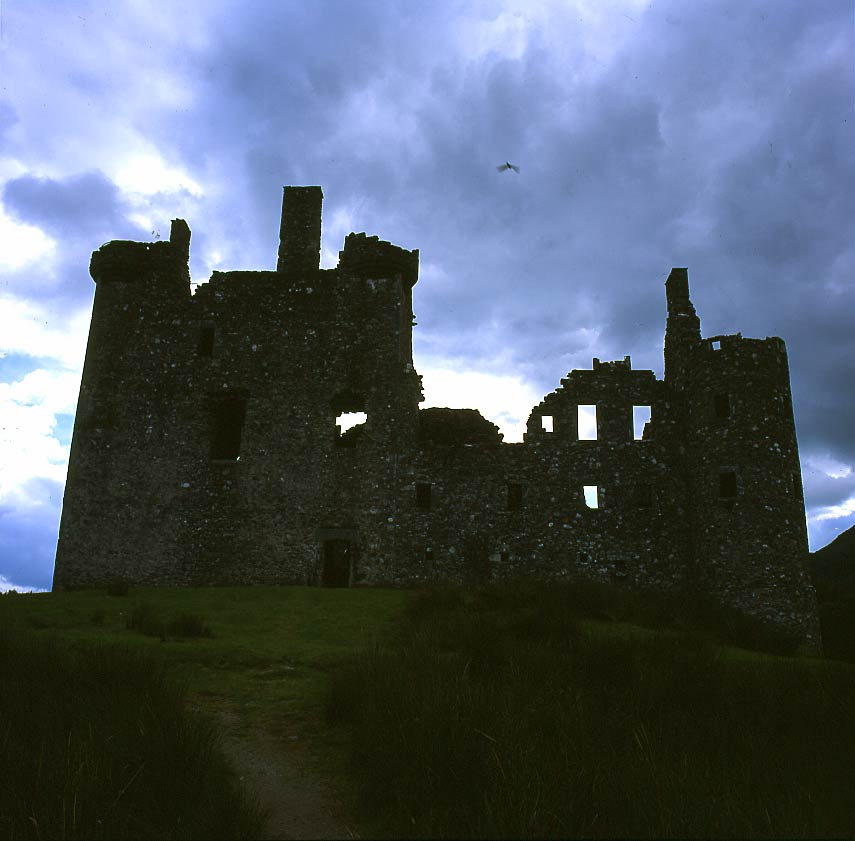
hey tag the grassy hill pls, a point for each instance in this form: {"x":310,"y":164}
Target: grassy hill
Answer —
{"x":516,"y":711}
{"x":833,"y":570}
{"x":833,"y":566}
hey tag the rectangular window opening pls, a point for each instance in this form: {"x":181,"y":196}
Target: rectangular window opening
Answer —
{"x":423,"y":494}
{"x":721,"y":406}
{"x":349,"y":427}
{"x":727,"y":485}
{"x":515,"y":496}
{"x":428,"y":553}
{"x":206,"y":341}
{"x":587,"y":423}
{"x":644,"y":496}
{"x":592,"y":496}
{"x":716,"y":344}
{"x":505,"y":556}
{"x":547,"y":423}
{"x":229,"y":415}
{"x":640,"y":418}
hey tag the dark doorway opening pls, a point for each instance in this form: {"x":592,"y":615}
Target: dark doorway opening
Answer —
{"x":338,"y":560}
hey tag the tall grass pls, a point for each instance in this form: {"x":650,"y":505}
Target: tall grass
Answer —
{"x":147,"y":619}
{"x":97,"y":742}
{"x":504,"y":714}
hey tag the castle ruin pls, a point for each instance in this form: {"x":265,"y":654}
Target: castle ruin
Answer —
{"x":206,"y":449}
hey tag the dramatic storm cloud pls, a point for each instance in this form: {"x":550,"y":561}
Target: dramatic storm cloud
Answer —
{"x":713,"y":135}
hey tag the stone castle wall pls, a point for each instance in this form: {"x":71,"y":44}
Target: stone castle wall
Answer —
{"x":206,"y":450}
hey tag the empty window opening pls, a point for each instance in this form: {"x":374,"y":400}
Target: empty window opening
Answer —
{"x":206,"y":341}
{"x":587,"y":423}
{"x":640,"y":418}
{"x":348,"y":407}
{"x":423,"y":494}
{"x":347,"y":420}
{"x":592,"y":496}
{"x":349,"y":428}
{"x":338,"y":562}
{"x":644,"y":496}
{"x":727,"y":485}
{"x":428,"y":554}
{"x":721,"y":405}
{"x":505,"y":557}
{"x":515,"y":496}
{"x":716,"y":344}
{"x":229,"y":416}
{"x":547,"y":423}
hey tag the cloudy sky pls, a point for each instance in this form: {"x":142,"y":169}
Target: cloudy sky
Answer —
{"x":713,"y":134}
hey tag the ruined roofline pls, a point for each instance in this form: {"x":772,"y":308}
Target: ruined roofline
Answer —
{"x":300,"y":243}
{"x":371,"y":256}
{"x":128,"y":260}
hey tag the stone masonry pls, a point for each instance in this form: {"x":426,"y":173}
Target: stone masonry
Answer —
{"x":207,"y":448}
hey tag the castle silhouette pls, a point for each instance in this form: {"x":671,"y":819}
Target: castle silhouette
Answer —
{"x":208,"y":446}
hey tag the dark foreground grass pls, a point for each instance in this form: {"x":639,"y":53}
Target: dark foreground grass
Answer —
{"x":505,"y":715}
{"x":96,"y":742}
{"x":75,"y":728}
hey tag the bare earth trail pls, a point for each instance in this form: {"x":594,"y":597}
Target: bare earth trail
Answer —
{"x":282,"y":773}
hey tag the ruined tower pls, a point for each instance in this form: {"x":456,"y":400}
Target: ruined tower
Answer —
{"x":210,"y":445}
{"x":748,"y":532}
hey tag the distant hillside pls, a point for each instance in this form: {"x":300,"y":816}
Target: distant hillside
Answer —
{"x":833,"y":570}
{"x":833,"y":566}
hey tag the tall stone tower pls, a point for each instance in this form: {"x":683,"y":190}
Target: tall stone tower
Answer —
{"x":748,"y":534}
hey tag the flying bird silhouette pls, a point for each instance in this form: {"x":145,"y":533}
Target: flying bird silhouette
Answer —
{"x":507,"y":165}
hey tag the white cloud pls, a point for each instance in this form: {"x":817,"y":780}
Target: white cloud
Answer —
{"x":826,"y":465}
{"x":6,"y":585}
{"x":835,"y":512}
{"x":34,"y":330}
{"x":505,"y":400}
{"x":148,"y":173}
{"x":30,"y":406}
{"x":829,"y":496}
{"x":21,"y":244}
{"x":29,"y":448}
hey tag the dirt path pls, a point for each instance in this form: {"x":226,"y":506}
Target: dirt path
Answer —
{"x":298,"y":803}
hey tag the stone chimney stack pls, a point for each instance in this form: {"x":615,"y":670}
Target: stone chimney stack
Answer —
{"x":300,"y":230}
{"x":683,"y":328}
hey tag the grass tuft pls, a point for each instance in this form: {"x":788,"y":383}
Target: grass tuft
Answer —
{"x":147,"y":619}
{"x":97,"y":743}
{"x":188,"y":625}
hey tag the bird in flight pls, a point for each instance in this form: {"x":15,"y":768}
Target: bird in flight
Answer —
{"x":507,"y":165}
